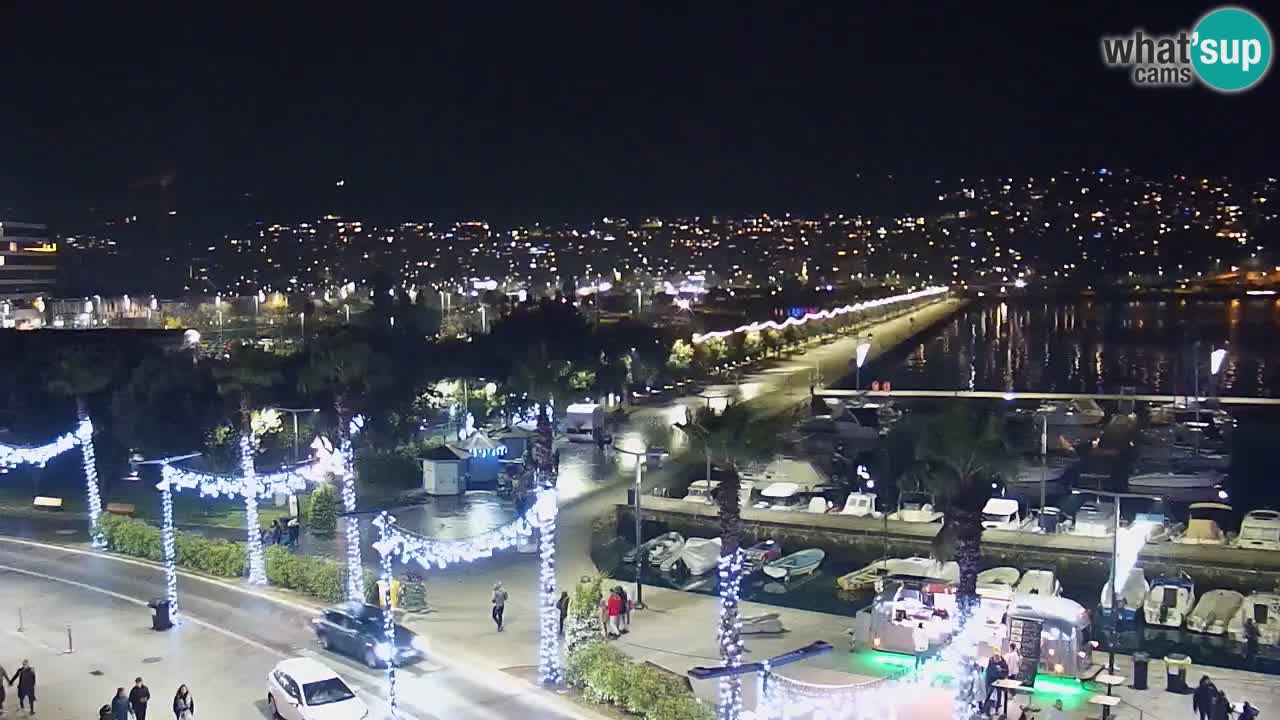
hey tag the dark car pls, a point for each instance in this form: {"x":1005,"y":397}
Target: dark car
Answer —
{"x":356,"y":629}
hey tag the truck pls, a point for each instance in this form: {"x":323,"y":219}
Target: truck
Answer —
{"x":585,"y":422}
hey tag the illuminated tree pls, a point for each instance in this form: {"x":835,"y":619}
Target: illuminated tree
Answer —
{"x":80,"y":372}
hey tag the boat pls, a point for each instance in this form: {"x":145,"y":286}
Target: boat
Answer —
{"x":1006,"y":577}
{"x":700,"y":555}
{"x":1264,"y":608}
{"x":762,"y":552}
{"x":1169,"y":602}
{"x":657,"y":550}
{"x":783,"y":496}
{"x":1214,"y":611}
{"x":1031,"y":472}
{"x":1260,"y":530}
{"x":1074,"y":413}
{"x":916,"y":507}
{"x":796,"y":564}
{"x":1190,"y":412}
{"x":801,"y":473}
{"x":1133,"y":595}
{"x":1202,"y":524}
{"x":702,"y":491}
{"x":818,"y":504}
{"x":1094,"y":520}
{"x":1001,"y":513}
{"x":873,"y":575}
{"x":1176,"y":478}
{"x":1181,"y":458}
{"x":1039,"y":581}
{"x":860,"y":504}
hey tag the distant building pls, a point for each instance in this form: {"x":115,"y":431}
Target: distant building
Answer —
{"x":28,"y":260}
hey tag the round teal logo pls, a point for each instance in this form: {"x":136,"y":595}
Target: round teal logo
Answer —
{"x":1231,"y":49}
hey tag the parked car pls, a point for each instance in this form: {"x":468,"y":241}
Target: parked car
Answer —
{"x":356,"y":629}
{"x":306,"y":689}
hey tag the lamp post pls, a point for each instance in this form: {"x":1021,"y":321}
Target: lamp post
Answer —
{"x":294,"y":412}
{"x":1115,"y":558}
{"x":639,"y":560}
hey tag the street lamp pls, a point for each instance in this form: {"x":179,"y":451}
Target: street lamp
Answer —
{"x":1115,"y":558}
{"x":639,"y":560}
{"x":294,"y":412}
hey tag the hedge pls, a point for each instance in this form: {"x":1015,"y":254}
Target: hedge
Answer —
{"x":317,"y":577}
{"x":605,"y":674}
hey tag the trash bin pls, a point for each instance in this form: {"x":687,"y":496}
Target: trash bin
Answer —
{"x":1140,"y":662}
{"x":1176,"y":665}
{"x":160,"y":619}
{"x":1049,"y":520}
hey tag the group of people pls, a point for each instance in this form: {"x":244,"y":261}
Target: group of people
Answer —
{"x":1210,"y":703}
{"x":615,"y":613}
{"x":25,"y":678}
{"x":283,"y":532}
{"x":134,"y":703}
{"x":999,"y":667}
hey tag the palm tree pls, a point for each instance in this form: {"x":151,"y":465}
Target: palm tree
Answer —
{"x":957,"y":455}
{"x":348,"y":367}
{"x":733,"y":438}
{"x":543,"y":377}
{"x":244,"y":377}
{"x":80,"y":372}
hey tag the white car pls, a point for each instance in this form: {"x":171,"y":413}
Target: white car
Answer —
{"x":304,"y":689}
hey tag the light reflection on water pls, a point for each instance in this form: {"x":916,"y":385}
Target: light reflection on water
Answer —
{"x":1092,"y":346}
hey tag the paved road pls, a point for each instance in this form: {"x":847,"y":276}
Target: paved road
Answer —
{"x":435,"y":690}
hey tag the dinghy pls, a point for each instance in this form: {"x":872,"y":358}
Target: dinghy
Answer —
{"x":657,"y":550}
{"x":1006,"y":577}
{"x":1039,"y":581}
{"x":700,"y":555}
{"x":871,"y":576}
{"x":1169,"y":602}
{"x":760,"y":553}
{"x":1214,"y":612}
{"x":795,"y":565}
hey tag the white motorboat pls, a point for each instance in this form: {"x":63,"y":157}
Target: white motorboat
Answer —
{"x":1001,"y":513}
{"x":1264,"y":608}
{"x":1039,"y":581}
{"x":1074,"y":413}
{"x":801,"y":473}
{"x":1176,"y":479}
{"x":1182,"y":458}
{"x":657,"y":550}
{"x":860,"y":504}
{"x":700,"y":555}
{"x":919,"y":567}
{"x":1260,"y":530}
{"x":784,"y":496}
{"x":1169,"y":602}
{"x":1190,"y":412}
{"x":796,"y":564}
{"x":1202,"y":524}
{"x":702,"y":491}
{"x":1094,"y":520}
{"x":1031,"y":472}
{"x":1000,"y":577}
{"x":1214,"y":612}
{"x":916,"y":507}
{"x":1133,"y":595}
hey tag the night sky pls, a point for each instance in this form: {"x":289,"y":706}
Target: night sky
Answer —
{"x":521,"y":111}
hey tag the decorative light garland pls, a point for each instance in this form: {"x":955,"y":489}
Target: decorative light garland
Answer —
{"x":389,"y":621}
{"x":88,"y":460}
{"x":821,"y":315}
{"x":351,"y":523}
{"x":730,"y":572}
{"x":545,"y":509}
{"x":40,"y":455}
{"x":250,"y":489}
{"x":784,"y":697}
{"x":168,"y":540}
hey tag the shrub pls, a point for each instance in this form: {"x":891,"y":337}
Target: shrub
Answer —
{"x":314,"y":576}
{"x":605,"y":674}
{"x":323,"y":515}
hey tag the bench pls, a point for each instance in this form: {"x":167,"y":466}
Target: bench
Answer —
{"x":42,"y":502}
{"x":116,"y":508}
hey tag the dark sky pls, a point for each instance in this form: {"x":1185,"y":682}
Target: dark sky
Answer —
{"x":514,"y":111}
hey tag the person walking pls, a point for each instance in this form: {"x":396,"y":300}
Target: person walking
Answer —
{"x":294,"y":530}
{"x":25,"y":678}
{"x":139,"y":696}
{"x":920,"y":642}
{"x":184,"y":706}
{"x":499,"y":604}
{"x":120,"y":705}
{"x":1202,"y":697}
{"x":4,"y":680}
{"x":562,"y":605}
{"x":1221,"y":707}
{"x":1251,"y":635}
{"x":624,"y":625}
{"x":277,"y":532}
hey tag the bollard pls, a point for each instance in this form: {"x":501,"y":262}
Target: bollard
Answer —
{"x":21,"y":627}
{"x":70,"y":648}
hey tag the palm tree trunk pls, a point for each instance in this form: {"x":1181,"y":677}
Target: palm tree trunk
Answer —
{"x":968,"y":554}
{"x":89,"y":461}
{"x":730,"y":573}
{"x":350,"y":523}
{"x":253,"y":530}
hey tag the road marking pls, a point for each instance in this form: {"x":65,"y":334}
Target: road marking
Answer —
{"x":493,"y":679}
